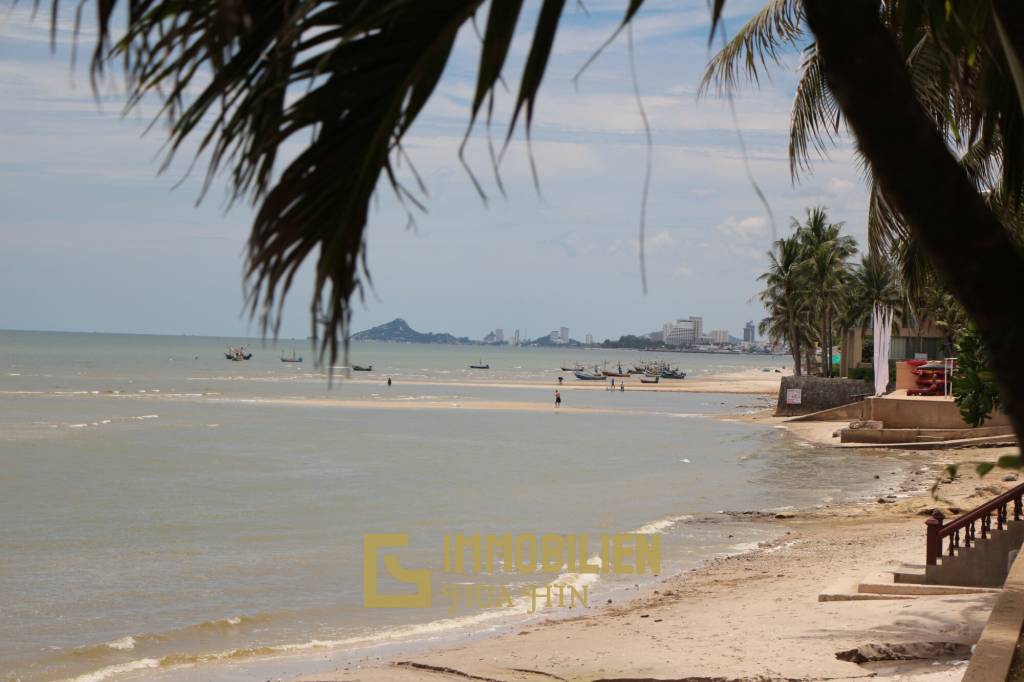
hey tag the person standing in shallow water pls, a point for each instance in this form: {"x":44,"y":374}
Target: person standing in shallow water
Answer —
{"x":558,"y":399}
{"x":389,"y":381}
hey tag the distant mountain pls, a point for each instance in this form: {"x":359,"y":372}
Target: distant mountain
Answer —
{"x":547,"y":341}
{"x":398,"y":330}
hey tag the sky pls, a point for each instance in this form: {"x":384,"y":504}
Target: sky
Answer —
{"x":93,"y":237}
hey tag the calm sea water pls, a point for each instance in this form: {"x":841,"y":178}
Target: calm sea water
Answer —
{"x":164,"y":509}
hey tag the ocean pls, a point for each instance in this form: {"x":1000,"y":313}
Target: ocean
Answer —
{"x":169,"y":513}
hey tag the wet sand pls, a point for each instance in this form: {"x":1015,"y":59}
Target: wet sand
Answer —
{"x":755,"y":615}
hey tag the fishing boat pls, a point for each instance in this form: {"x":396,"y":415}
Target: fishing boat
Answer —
{"x":480,"y":365}
{"x":576,"y":368}
{"x":293,"y":358}
{"x":238,"y":353}
{"x":620,"y":373}
{"x":649,"y":380}
{"x":673,"y":374}
{"x":360,"y":368}
{"x":583,"y":375}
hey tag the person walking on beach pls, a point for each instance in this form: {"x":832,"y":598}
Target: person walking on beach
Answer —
{"x":389,"y":381}
{"x":558,"y":399}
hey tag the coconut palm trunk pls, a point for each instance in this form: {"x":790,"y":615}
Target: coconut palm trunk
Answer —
{"x":924,"y":182}
{"x":824,"y":338}
{"x":794,"y":348}
{"x":826,"y":351}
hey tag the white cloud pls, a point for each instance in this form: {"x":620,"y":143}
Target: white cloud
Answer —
{"x":656,"y":243}
{"x":838,"y":186}
{"x":745,"y":228}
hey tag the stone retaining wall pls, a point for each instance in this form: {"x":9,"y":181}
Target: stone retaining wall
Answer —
{"x":819,"y":393}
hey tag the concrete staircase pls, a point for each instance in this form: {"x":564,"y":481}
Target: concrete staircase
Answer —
{"x":985,"y":563}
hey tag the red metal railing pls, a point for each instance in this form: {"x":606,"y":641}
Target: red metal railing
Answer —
{"x":969,"y":524}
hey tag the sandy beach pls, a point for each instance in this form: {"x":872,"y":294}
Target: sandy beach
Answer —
{"x":755,"y":615}
{"x":754,"y":382}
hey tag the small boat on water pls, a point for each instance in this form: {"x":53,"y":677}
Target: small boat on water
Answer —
{"x":293,"y":358}
{"x":576,"y":368}
{"x":480,"y":365}
{"x":360,"y":368}
{"x":583,"y":375}
{"x":620,"y":373}
{"x":649,"y":380}
{"x":237,"y":353}
{"x":673,"y":374}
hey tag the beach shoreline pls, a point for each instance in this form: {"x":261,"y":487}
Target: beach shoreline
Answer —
{"x":733,"y":617}
{"x":752,"y":614}
{"x":725,"y":618}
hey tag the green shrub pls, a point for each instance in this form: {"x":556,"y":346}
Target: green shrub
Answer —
{"x":864,"y":373}
{"x":974,"y":386}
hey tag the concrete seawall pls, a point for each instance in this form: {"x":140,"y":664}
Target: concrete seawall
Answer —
{"x":818,"y":393}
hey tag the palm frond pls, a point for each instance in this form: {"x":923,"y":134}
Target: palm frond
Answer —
{"x":885,"y":225}
{"x":244,"y":79}
{"x":761,"y":40}
{"x":815,"y":117}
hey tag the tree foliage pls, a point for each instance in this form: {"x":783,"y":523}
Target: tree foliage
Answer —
{"x":974,"y":386}
{"x":805,"y":286}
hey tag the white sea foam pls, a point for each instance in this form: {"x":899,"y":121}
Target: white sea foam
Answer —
{"x":119,"y":669}
{"x":126,"y":643}
{"x":661,"y":525}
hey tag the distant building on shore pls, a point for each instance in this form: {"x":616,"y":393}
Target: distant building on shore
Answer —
{"x":719,"y":336}
{"x":590,"y":339}
{"x":749,"y":331}
{"x":688,"y":332}
{"x":499,"y":335}
{"x":564,"y":334}
{"x":515,"y":338}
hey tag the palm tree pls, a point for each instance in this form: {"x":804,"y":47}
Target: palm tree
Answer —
{"x":824,"y":266}
{"x":873,"y":282}
{"x":913,"y":80}
{"x":785,"y":299}
{"x":964,"y":91}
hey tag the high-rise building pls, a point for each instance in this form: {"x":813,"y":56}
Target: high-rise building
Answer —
{"x":748,"y":332}
{"x":719,"y":336}
{"x":590,"y":339}
{"x":564,"y":333}
{"x":686,"y":332}
{"x":515,"y":338}
{"x":499,"y":334}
